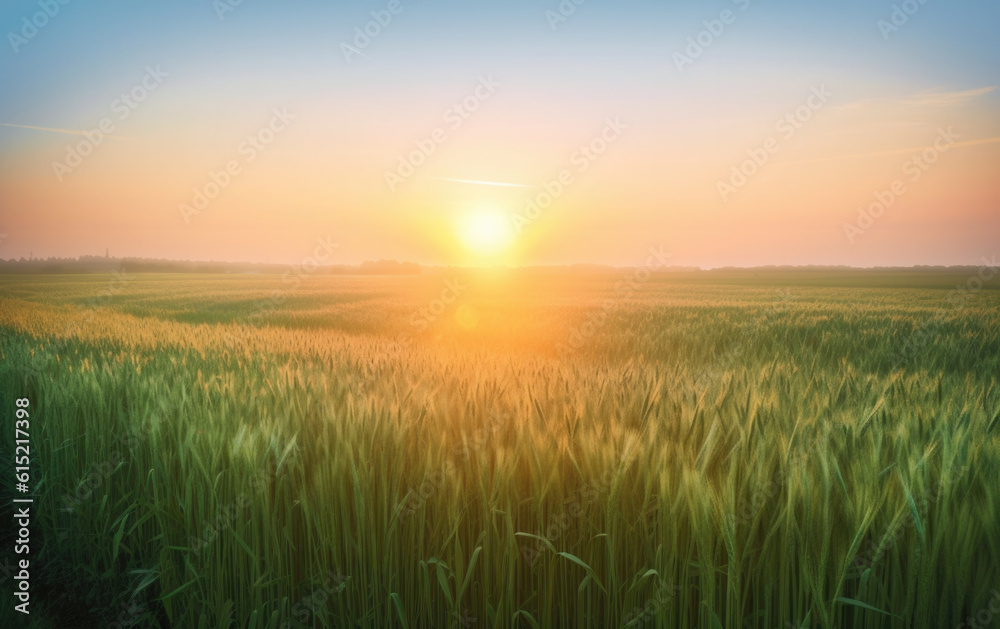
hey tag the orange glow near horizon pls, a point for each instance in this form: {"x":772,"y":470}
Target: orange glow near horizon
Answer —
{"x":500,"y":159}
{"x":126,"y":197}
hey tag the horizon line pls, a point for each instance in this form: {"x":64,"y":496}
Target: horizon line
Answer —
{"x":392,"y":262}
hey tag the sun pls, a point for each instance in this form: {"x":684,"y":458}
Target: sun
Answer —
{"x":486,"y":232}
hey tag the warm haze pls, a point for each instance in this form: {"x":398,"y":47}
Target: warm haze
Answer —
{"x":555,"y":314}
{"x":835,"y":97}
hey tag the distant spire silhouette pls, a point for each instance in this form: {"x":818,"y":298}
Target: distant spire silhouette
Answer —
{"x":106,"y":253}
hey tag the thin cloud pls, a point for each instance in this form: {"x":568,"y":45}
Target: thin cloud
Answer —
{"x":52,"y":130}
{"x":928,"y":98}
{"x":860,"y":104}
{"x":355,"y":51}
{"x":915,"y":149}
{"x":946,"y":99}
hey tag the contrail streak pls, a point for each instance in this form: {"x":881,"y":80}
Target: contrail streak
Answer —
{"x":356,"y":51}
{"x":50,"y":129}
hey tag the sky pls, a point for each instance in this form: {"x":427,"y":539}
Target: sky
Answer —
{"x":727,"y":133}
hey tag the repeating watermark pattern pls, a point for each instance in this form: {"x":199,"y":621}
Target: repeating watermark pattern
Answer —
{"x":788,"y":125}
{"x":482,"y":435}
{"x":308,"y":607}
{"x":463,"y":620}
{"x":957,"y":299}
{"x":31,"y":25}
{"x":901,"y":14}
{"x":588,"y":493}
{"x":431,"y":483}
{"x":662,"y":596}
{"x":130,"y":615}
{"x":703,"y":40}
{"x":736,"y":349}
{"x":249,"y":149}
{"x":454,"y":117}
{"x":982,"y":618}
{"x":101,"y":472}
{"x":132,"y":439}
{"x":622,"y":292}
{"x":123,"y":106}
{"x":227,"y":515}
{"x":423,"y":318}
{"x":42,"y":360}
{"x":871,"y":552}
{"x":562,"y":13}
{"x":364,"y":35}
{"x":749,"y":507}
{"x":914,"y":168}
{"x":224,"y":7}
{"x":582,"y":159}
{"x":291,"y":281}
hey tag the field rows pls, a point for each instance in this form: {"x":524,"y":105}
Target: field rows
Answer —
{"x":736,"y":456}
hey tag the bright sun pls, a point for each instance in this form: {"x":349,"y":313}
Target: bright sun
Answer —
{"x":486,"y":232}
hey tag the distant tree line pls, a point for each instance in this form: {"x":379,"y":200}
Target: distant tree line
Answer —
{"x":104,"y":264}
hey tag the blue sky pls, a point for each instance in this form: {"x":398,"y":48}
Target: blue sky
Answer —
{"x":225,"y":74}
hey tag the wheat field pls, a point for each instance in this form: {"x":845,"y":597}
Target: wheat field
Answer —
{"x":500,"y":449}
